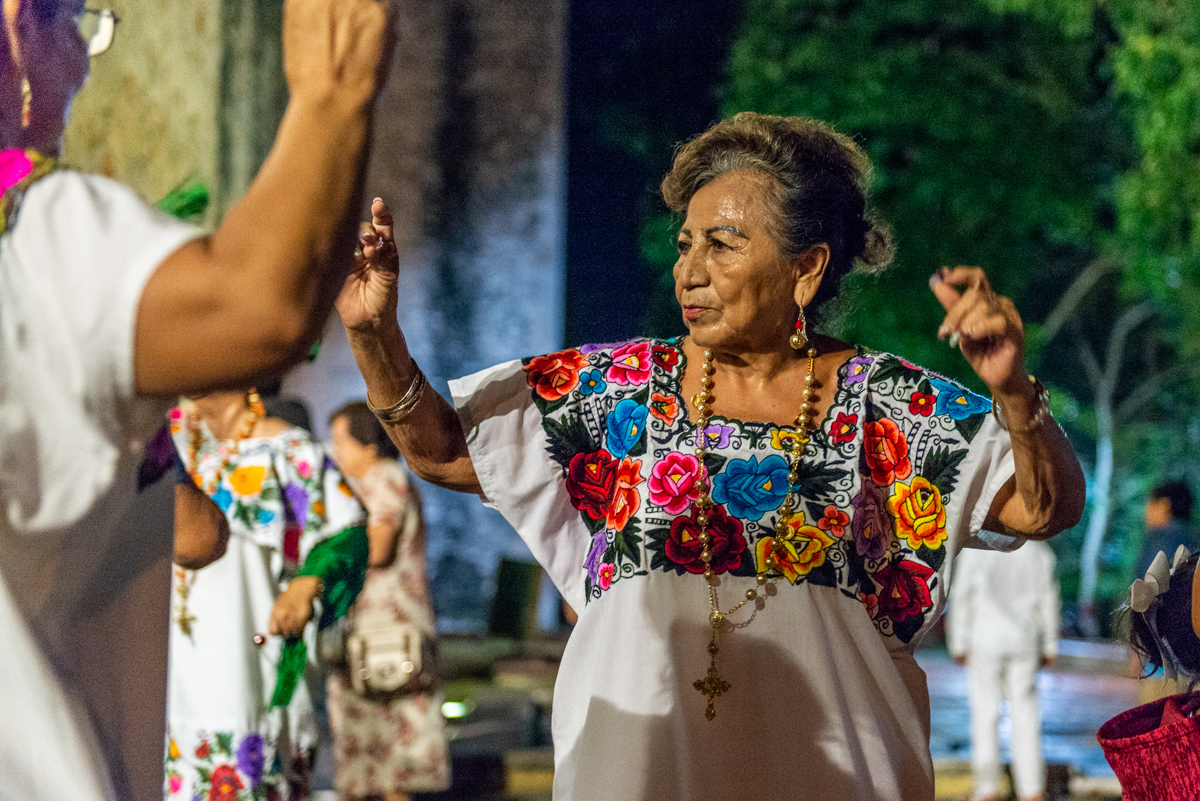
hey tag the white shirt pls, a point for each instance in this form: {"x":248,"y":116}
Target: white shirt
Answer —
{"x":83,"y":594}
{"x":1005,"y":603}
{"x":589,"y":454}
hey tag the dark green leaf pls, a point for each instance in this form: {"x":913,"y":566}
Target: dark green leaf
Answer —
{"x":941,"y":468}
{"x":567,"y":437}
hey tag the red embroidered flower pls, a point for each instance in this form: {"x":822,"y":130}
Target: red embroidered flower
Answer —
{"x":674,"y":482}
{"x":225,"y":784}
{"x":590,"y":479}
{"x":844,"y":428}
{"x":871,"y":602}
{"x":834,"y":521}
{"x":203,"y":750}
{"x":631,"y":364}
{"x":554,"y":376}
{"x":903,"y":591}
{"x":665,"y":356}
{"x":683,"y":545}
{"x":886,"y":452}
{"x":664,"y":407}
{"x":625,"y":497}
{"x":922,"y":404}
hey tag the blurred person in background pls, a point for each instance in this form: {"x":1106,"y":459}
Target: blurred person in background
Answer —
{"x":1168,"y":523}
{"x":387,"y":747}
{"x":110,"y":311}
{"x":240,"y":712}
{"x":1003,"y":623}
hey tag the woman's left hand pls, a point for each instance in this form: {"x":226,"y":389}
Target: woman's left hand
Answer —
{"x":986,"y":327}
{"x":294,"y":607}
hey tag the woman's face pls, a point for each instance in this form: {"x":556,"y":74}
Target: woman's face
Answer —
{"x":737,"y":291}
{"x":55,"y":60}
{"x":354,"y":458}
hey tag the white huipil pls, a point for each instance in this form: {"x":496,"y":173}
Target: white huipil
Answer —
{"x":589,"y":454}
{"x":1005,"y":616}
{"x":83,"y":588}
{"x":282,"y":496}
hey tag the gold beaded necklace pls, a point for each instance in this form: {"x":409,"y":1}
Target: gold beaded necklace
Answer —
{"x":712,"y":685}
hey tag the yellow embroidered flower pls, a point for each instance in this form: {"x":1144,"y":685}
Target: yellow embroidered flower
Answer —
{"x":173,"y":750}
{"x":797,"y":555}
{"x":318,"y":508}
{"x":345,"y":488}
{"x":248,"y":480}
{"x":918,"y":515}
{"x":779,"y":436}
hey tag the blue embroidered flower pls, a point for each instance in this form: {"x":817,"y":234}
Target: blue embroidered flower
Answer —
{"x":750,"y":488}
{"x":958,"y":402}
{"x":592,"y":382}
{"x":223,"y":498}
{"x":265,"y":516}
{"x":625,"y":426}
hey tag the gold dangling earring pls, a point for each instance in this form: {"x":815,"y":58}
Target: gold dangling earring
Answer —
{"x":800,"y":338}
{"x":26,"y":103}
{"x":254,"y":403}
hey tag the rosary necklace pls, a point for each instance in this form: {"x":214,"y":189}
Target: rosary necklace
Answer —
{"x":713,"y":685}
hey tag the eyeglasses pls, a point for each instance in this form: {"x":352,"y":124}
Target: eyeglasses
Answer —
{"x":97,"y":26}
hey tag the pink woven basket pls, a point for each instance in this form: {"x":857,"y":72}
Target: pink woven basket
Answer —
{"x":1155,"y":749}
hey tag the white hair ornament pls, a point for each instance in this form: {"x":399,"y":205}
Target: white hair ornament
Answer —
{"x":1144,"y":600}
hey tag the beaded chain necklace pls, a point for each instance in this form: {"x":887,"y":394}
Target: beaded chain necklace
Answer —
{"x":255,"y":411}
{"x":713,"y":685}
{"x":19,"y":170}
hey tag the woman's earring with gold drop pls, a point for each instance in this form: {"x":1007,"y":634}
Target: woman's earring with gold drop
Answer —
{"x":800,"y":338}
{"x":26,"y":103}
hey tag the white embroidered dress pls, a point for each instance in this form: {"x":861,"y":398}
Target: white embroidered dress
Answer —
{"x":282,"y":496}
{"x":589,"y":454}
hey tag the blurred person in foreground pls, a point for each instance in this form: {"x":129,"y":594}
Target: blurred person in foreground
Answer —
{"x":110,"y":311}
{"x":1155,"y":748}
{"x":756,"y":521}
{"x":387,"y":746}
{"x":241,"y":714}
{"x":1003,"y":623}
{"x":1168,"y":523}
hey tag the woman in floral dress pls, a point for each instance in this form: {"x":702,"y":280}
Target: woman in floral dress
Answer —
{"x":233,"y":732}
{"x":386,"y":748}
{"x":755,"y":522}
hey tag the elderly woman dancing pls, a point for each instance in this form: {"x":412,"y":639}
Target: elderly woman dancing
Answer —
{"x":110,"y":310}
{"x":756,"y":522}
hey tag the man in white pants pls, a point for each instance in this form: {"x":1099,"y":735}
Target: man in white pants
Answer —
{"x":1003,"y":623}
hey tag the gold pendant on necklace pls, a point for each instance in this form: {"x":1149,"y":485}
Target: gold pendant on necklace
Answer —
{"x":712,"y":685}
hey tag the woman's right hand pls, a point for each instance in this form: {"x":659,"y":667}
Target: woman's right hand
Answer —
{"x":368,"y":298}
{"x":336,"y":50}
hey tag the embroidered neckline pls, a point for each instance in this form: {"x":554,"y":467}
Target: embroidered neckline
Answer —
{"x":19,"y":170}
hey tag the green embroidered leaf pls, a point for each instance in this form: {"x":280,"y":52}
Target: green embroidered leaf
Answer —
{"x":549,"y":407}
{"x":270,"y":492}
{"x":225,"y":743}
{"x":656,"y":539}
{"x":203,"y":774}
{"x":817,"y":480}
{"x":935,"y":558}
{"x":970,"y":426}
{"x":823,"y":576}
{"x":593,"y":526}
{"x":925,"y":388}
{"x":715,"y":462}
{"x":894,"y":368}
{"x":941,"y":468}
{"x":628,"y":543}
{"x":567,"y":437}
{"x":244,"y":514}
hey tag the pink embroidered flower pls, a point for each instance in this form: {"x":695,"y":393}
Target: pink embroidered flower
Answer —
{"x":176,"y":413}
{"x":174,"y":783}
{"x":15,"y":167}
{"x":673,"y":482}
{"x":607,"y":572}
{"x":631,"y":364}
{"x":304,"y":469}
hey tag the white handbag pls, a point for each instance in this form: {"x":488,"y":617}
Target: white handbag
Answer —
{"x":385,"y":657}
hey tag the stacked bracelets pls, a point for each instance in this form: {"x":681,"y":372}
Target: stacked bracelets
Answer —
{"x":1039,"y":417}
{"x":403,"y":407}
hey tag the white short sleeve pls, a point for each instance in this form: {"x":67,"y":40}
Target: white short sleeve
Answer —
{"x":72,"y":272}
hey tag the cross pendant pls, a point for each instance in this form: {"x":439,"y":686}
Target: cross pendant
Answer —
{"x":712,"y":685}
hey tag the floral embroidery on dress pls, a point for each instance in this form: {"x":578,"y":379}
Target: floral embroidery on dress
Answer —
{"x":224,"y":773}
{"x":875,"y":479}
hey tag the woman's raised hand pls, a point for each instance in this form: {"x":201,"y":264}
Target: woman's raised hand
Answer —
{"x":336,"y":51}
{"x":368,"y":298}
{"x":986,"y":326}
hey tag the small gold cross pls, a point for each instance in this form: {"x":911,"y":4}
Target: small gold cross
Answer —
{"x":712,"y":685}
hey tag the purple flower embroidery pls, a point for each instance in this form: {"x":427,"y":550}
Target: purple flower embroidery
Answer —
{"x":250,"y":759}
{"x":297,"y":499}
{"x":857,"y":370}
{"x":871,"y":522}
{"x":596,"y":347}
{"x":717,"y":436}
{"x":592,"y":563}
